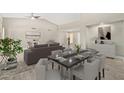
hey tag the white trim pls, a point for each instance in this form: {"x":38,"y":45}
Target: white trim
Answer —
{"x":119,"y":57}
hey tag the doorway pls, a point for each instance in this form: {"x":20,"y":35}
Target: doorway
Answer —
{"x":72,"y":38}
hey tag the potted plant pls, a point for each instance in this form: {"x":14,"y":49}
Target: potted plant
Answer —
{"x":78,"y":47}
{"x":9,"y":48}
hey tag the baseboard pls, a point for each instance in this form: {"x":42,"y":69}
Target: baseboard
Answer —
{"x":119,"y":57}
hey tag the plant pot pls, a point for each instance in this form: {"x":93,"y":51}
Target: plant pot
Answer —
{"x":78,"y":51}
{"x":10,"y":64}
{"x":11,"y":61}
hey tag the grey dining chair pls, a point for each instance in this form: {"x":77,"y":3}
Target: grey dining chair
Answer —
{"x":101,"y":58}
{"x":56,"y":53}
{"x":67,"y":49}
{"x":43,"y":73}
{"x":88,"y":71}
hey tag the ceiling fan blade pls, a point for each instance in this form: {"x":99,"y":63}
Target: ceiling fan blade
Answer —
{"x":33,"y":16}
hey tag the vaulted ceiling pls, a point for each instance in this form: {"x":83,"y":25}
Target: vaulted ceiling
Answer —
{"x":57,"y":18}
{"x":65,"y":18}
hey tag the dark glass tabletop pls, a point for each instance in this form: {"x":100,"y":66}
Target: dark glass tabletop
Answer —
{"x":71,"y":59}
{"x":67,"y":62}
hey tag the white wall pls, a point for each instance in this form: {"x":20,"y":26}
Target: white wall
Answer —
{"x":17,"y":27}
{"x":1,"y":22}
{"x":97,"y":18}
{"x":117,"y":28}
{"x":72,"y":27}
{"x":117,"y":35}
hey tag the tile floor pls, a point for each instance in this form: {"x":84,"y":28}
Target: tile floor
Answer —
{"x":114,"y":70}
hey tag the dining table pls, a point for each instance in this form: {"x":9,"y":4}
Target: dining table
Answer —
{"x":71,"y":59}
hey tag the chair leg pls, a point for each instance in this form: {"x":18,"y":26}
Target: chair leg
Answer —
{"x":52,"y":65}
{"x":66,"y":69}
{"x":99,"y":75}
{"x":103,"y":71}
{"x":74,"y":77}
{"x":58,"y":67}
{"x":96,"y":78}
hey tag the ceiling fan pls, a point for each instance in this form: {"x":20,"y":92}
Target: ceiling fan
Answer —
{"x":34,"y":16}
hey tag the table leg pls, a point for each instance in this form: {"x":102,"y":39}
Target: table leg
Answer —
{"x":52,"y":65}
{"x":61,"y":72}
{"x":46,"y":66}
{"x":99,"y":75}
{"x":70,"y":74}
{"x":103,"y":71}
{"x":58,"y":67}
{"x":74,"y":77}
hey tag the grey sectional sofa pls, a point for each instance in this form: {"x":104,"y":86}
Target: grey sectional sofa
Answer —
{"x":32,"y":55}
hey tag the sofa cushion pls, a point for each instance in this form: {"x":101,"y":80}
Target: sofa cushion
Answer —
{"x":41,"y":45}
{"x":55,"y":44}
{"x":34,"y":54}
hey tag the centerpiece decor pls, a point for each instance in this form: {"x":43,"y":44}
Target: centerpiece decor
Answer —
{"x":78,"y":47}
{"x":9,"y":48}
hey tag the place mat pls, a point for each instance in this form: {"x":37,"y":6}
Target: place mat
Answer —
{"x":79,"y":57}
{"x":61,"y":59}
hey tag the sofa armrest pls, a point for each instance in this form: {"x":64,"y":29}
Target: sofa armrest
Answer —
{"x":30,"y":57}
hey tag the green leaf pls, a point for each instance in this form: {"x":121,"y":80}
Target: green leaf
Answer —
{"x":10,"y":47}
